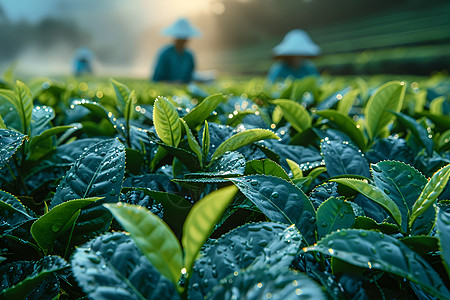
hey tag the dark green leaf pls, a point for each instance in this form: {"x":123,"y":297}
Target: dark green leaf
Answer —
{"x":176,"y":208}
{"x":22,"y":279}
{"x":417,"y":130}
{"x":42,"y":144}
{"x":112,"y":267}
{"x":402,"y":183}
{"x":267,"y":283}
{"x":189,"y":159}
{"x":232,"y":252}
{"x":422,"y":244}
{"x":442,"y":226}
{"x":346,"y":125}
{"x":153,"y":237}
{"x":374,"y":194}
{"x":374,"y":250}
{"x":367,"y":223}
{"x":10,"y":140}
{"x":98,"y":172}
{"x":341,"y":158}
{"x":280,"y":201}
{"x":40,"y":119}
{"x":334,"y":214}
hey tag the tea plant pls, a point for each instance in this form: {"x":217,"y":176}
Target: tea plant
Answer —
{"x":317,"y":188}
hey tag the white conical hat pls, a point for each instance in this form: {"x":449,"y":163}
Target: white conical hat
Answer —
{"x":181,"y":29}
{"x":296,"y":43}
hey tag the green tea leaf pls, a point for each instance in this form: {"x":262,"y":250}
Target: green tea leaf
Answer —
{"x":167,"y":122}
{"x":122,"y":94}
{"x":334,"y":214}
{"x":295,"y":114}
{"x":202,"y":111}
{"x":421,"y":244}
{"x":22,"y":279}
{"x":443,"y":142}
{"x":436,"y":105}
{"x":280,"y":201}
{"x":10,"y":141}
{"x":388,"y":97}
{"x":176,"y":208}
{"x":374,"y":194}
{"x":24,"y":105}
{"x":297,"y":173}
{"x":374,"y":250}
{"x":346,"y":125}
{"x":189,"y":159}
{"x":153,"y":237}
{"x":265,"y":167}
{"x":129,"y":108}
{"x":417,"y":130}
{"x":40,"y":119}
{"x":193,"y":144}
{"x":206,"y":142}
{"x":429,"y":195}
{"x":262,"y":283}
{"x":48,"y":227}
{"x":346,"y":103}
{"x":402,"y":183}
{"x":111,"y":266}
{"x":242,"y":139}
{"x":98,"y":172}
{"x":253,"y":243}
{"x":42,"y":144}
{"x":201,"y":220}
{"x":443,"y":229}
{"x":342,"y":158}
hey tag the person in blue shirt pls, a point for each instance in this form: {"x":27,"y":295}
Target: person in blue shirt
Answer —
{"x":175,"y":62}
{"x":82,"y":62}
{"x":292,"y":56}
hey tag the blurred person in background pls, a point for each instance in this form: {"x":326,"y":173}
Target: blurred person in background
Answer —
{"x":82,"y":62}
{"x":292,"y":57}
{"x":175,"y":62}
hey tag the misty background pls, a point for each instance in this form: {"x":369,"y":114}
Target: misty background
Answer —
{"x":40,"y":37}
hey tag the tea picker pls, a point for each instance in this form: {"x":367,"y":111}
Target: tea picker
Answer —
{"x":82,"y":62}
{"x":292,"y":56}
{"x":175,"y":62}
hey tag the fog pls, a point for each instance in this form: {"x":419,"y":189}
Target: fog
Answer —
{"x":40,"y":37}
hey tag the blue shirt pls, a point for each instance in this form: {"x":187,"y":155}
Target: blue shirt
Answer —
{"x":279,"y":71}
{"x":172,"y":65}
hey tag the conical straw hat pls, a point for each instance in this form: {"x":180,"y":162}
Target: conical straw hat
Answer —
{"x":181,"y":29}
{"x":296,"y":43}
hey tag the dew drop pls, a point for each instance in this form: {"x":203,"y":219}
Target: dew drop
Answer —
{"x":376,"y":168}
